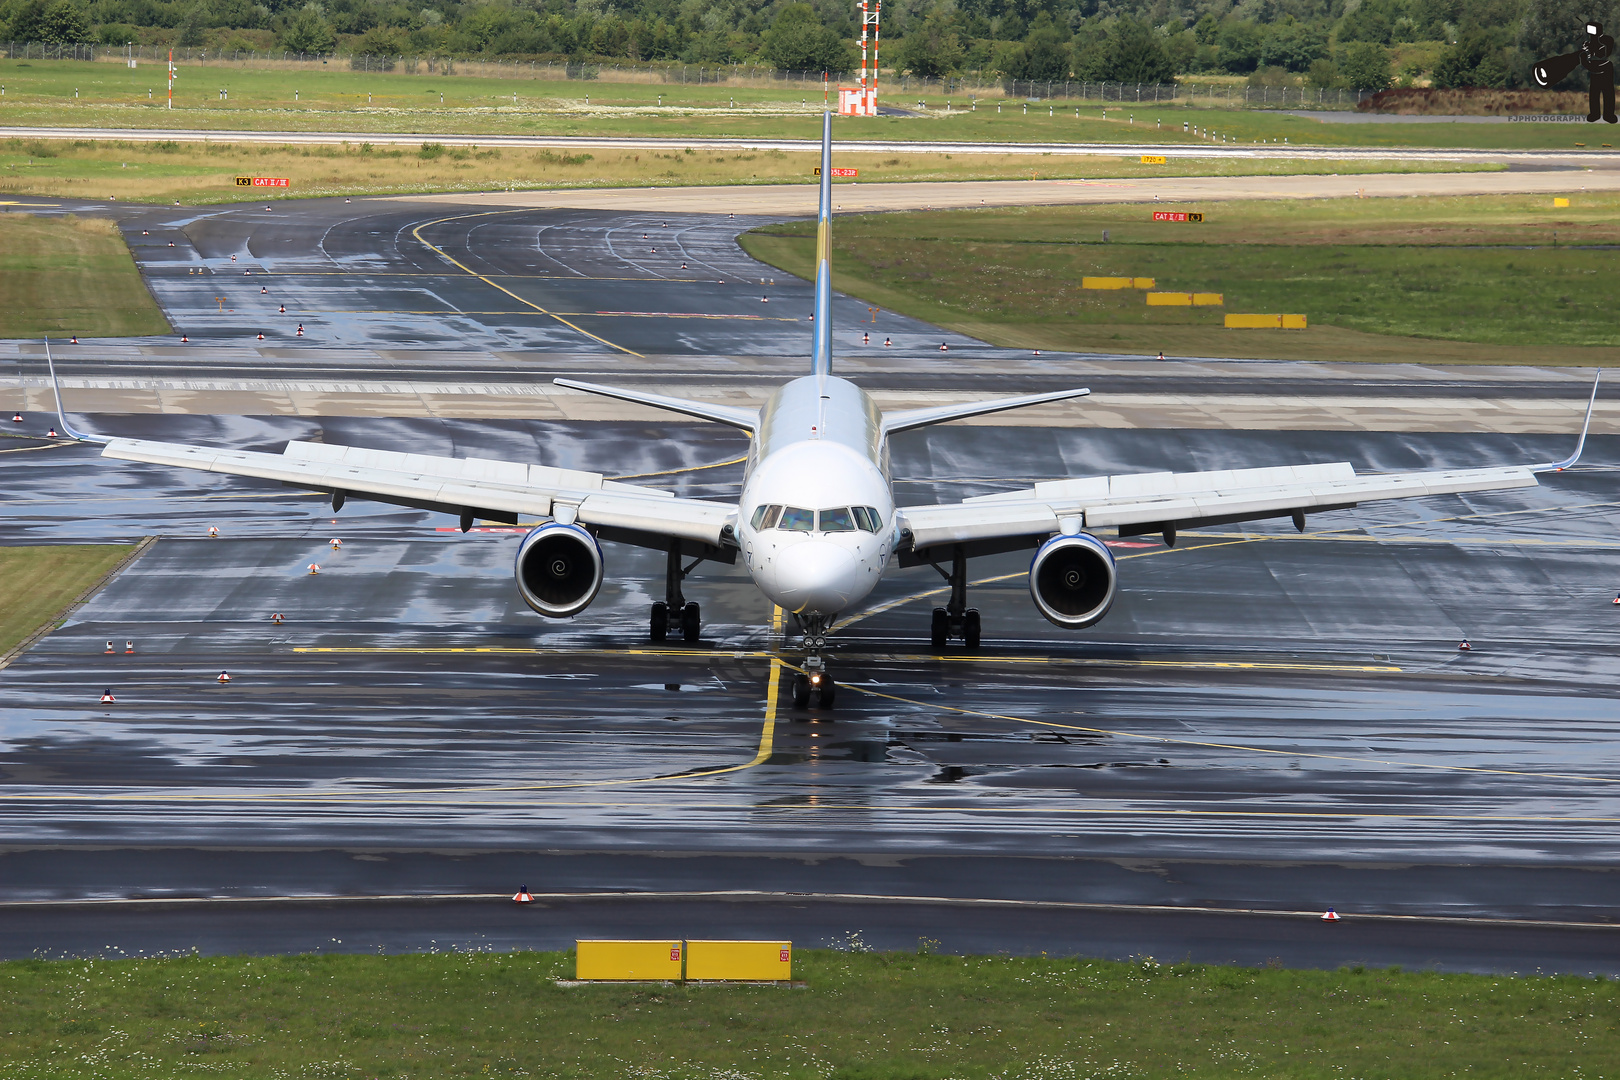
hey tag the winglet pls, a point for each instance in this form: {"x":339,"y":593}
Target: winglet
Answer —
{"x":821,"y":357}
{"x":61,"y":416}
{"x":1580,"y":444}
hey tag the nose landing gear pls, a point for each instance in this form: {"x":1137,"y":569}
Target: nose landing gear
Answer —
{"x":955,"y":619}
{"x":815,"y":681}
{"x":675,"y":614}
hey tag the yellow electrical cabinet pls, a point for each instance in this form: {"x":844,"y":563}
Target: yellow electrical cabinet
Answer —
{"x":1208,"y":299}
{"x":1105,"y":282}
{"x":1265,"y":322}
{"x":627,"y":960}
{"x":1559,"y":204}
{"x":753,"y":961}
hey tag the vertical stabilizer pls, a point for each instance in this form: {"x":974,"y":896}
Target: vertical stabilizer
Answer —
{"x":821,"y":356}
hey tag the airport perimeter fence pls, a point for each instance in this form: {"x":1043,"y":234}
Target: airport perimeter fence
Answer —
{"x":674,"y":72}
{"x":1232,"y":96}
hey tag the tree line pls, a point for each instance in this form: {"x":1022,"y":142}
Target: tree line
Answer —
{"x":1360,"y":44}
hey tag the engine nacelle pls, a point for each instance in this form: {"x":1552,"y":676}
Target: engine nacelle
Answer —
{"x":1072,"y":580}
{"x":559,"y":569}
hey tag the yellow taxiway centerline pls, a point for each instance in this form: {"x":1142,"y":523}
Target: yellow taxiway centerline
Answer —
{"x":417,"y":232}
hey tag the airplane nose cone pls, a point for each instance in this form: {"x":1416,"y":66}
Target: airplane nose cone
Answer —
{"x":816,"y":577}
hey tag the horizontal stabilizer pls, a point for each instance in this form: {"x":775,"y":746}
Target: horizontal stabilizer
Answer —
{"x":939,"y":414}
{"x":746,"y":419}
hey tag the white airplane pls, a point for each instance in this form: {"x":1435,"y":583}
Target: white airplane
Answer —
{"x":817,"y":524}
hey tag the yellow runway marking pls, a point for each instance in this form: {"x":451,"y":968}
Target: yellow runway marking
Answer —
{"x":760,"y":654}
{"x":417,"y":232}
{"x":683,"y":469}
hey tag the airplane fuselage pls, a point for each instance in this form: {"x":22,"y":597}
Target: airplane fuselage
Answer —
{"x":816,"y":520}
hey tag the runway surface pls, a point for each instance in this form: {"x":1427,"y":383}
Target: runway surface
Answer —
{"x":1265,"y":721}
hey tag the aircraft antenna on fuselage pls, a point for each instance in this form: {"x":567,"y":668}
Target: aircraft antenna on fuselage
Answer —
{"x":821,"y":357}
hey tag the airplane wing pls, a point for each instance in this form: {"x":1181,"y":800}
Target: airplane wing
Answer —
{"x":1165,"y":503}
{"x":471,"y":488}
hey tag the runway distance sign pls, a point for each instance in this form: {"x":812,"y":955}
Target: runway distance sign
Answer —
{"x":1152,"y":159}
{"x":1177,"y":215}
{"x":840,"y":172}
{"x":262,"y":181}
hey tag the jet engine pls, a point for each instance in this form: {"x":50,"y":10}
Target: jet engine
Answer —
{"x":1072,"y":580}
{"x":559,"y":569}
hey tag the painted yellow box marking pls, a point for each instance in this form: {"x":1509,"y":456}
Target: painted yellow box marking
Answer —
{"x":618,"y":960}
{"x":755,"y":961}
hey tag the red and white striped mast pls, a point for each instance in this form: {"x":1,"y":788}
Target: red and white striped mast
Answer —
{"x":868,"y":93}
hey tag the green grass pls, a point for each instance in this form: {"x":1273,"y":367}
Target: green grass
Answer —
{"x":41,"y":93}
{"x":205,"y":172}
{"x":38,"y":582}
{"x":859,"y":1015}
{"x":71,"y":275}
{"x":1377,"y":279}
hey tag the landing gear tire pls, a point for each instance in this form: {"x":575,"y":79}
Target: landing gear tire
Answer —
{"x":823,"y":691}
{"x":691,"y":623}
{"x":940,"y":629}
{"x":970,"y":628}
{"x":660,"y":621}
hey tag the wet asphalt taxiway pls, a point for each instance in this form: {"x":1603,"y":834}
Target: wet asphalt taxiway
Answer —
{"x":1267,"y":721}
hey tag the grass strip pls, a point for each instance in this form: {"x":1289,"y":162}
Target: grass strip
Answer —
{"x":71,"y":275}
{"x":1484,"y":279}
{"x":43,"y":93}
{"x":38,"y":583}
{"x":860,"y":1014}
{"x":206,"y":172}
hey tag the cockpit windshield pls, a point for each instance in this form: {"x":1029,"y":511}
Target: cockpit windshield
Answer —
{"x":839,"y":520}
{"x":797,"y":520}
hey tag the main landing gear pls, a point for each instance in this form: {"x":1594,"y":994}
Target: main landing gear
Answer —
{"x":955,"y":619}
{"x":814,"y":682}
{"x":675,"y":614}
